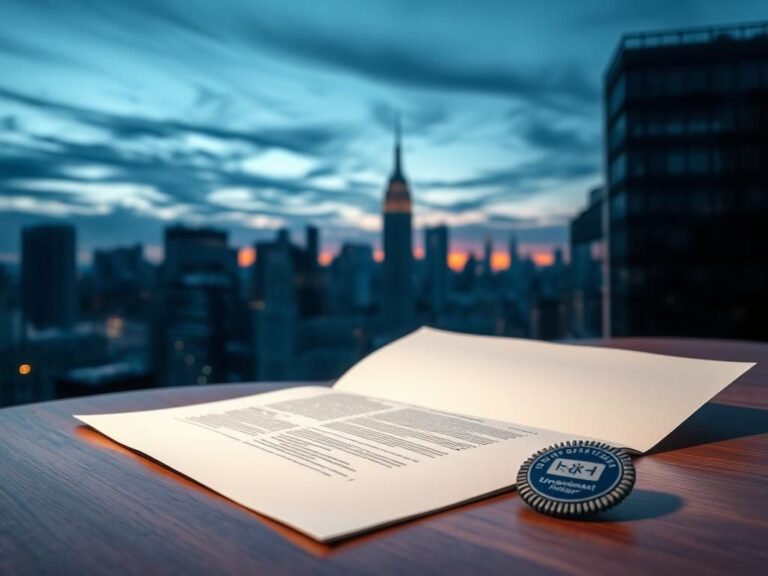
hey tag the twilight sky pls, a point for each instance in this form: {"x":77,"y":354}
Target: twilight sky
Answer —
{"x":123,"y":116}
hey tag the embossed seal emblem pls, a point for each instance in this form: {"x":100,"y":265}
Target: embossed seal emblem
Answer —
{"x":575,"y":479}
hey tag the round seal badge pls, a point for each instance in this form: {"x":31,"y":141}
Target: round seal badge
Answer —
{"x":576,"y":478}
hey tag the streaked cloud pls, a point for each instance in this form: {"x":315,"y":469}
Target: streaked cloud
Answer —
{"x":126,"y":115}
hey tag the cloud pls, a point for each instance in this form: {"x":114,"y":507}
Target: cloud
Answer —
{"x":292,"y":104}
{"x":24,"y":50}
{"x":523,"y":179}
{"x":165,"y":179}
{"x":554,"y":137}
{"x":416,"y":119}
{"x":303,"y":139}
{"x":555,"y":84}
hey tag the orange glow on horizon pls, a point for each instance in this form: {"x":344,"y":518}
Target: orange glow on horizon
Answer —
{"x":543,"y":258}
{"x":457,"y":259}
{"x":499,"y":261}
{"x":246,"y":256}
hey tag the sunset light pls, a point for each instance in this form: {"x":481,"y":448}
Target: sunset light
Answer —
{"x":543,"y":258}
{"x":246,"y":257}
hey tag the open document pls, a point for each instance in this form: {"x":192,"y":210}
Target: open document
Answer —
{"x":430,"y":421}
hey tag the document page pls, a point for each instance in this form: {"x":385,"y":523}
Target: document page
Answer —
{"x":331,"y":463}
{"x":628,"y":399}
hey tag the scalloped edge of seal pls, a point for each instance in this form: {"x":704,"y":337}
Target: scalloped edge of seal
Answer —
{"x":577,"y":510}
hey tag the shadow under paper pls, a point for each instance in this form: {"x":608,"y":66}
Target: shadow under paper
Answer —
{"x":715,"y":423}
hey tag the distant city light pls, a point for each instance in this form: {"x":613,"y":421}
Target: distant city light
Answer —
{"x":457,"y":260}
{"x":246,"y":257}
{"x":500,"y":261}
{"x":179,"y":345}
{"x":189,"y":359}
{"x":206,"y":370}
{"x":543,"y":258}
{"x":25,"y":369}
{"x":115,"y":326}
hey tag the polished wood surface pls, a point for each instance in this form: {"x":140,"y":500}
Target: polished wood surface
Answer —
{"x":74,"y":502}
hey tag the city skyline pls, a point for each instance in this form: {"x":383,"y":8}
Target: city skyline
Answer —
{"x":282,"y":118}
{"x":684,"y":146}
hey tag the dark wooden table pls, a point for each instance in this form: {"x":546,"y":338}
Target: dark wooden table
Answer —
{"x":74,"y":502}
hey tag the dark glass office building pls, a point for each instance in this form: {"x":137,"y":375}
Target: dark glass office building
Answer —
{"x":586,"y":270}
{"x":194,"y":315}
{"x":686,"y":122}
{"x":437,"y":274}
{"x":49,"y":275}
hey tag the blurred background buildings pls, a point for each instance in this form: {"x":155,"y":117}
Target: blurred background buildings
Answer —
{"x":672,"y":244}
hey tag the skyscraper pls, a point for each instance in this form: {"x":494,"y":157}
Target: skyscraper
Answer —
{"x":276,"y":317}
{"x":587,"y":255}
{"x":10,"y":315}
{"x":195,"y":317}
{"x":312,"y":247}
{"x":397,"y":284}
{"x":119,"y":275}
{"x":437,"y":274}
{"x":310,"y":278}
{"x":48,"y":275}
{"x":486,"y":280}
{"x":352,"y":280}
{"x":686,"y":122}
{"x":514,"y":253}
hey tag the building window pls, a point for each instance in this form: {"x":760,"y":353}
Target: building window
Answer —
{"x":674,"y":82}
{"x":619,"y":243}
{"x":675,"y":126}
{"x":619,"y":206}
{"x":654,"y":83}
{"x":698,"y":161}
{"x":618,"y":170}
{"x":675,"y":162}
{"x":700,"y":202}
{"x":749,"y":75}
{"x":698,"y":124}
{"x":697,"y":79}
{"x":655,"y":127}
{"x":717,"y":162}
{"x":618,"y":131}
{"x":637,"y":165}
{"x":636,"y":202}
{"x":722,"y":78}
{"x":634,"y":84}
{"x":618,"y":93}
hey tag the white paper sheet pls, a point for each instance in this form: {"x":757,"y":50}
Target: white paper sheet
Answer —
{"x":420,"y":425}
{"x":628,"y":399}
{"x":327,"y":463}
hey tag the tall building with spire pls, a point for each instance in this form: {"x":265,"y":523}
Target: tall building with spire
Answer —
{"x":397,"y":301}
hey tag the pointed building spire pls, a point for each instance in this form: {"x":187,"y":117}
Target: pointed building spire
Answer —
{"x":398,"y":172}
{"x":397,"y":197}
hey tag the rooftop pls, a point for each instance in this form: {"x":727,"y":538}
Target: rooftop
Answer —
{"x":688,"y":37}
